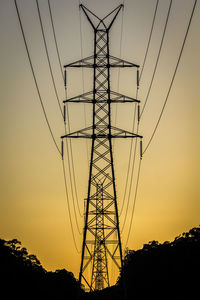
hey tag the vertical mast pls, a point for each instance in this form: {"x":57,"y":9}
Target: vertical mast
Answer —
{"x":101,"y":245}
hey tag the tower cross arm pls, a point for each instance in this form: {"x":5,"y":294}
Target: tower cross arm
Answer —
{"x":116,"y":97}
{"x":115,"y":133}
{"x":82,"y":133}
{"x":88,"y":97}
{"x":84,"y":98}
{"x":87,"y":62}
{"x":114,"y":62}
{"x":121,"y":133}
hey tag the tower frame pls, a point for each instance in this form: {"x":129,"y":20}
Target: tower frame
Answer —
{"x":101,"y":232}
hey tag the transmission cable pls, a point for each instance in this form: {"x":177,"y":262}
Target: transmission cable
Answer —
{"x":69,"y":211}
{"x":120,"y":55}
{"x":34,"y":77}
{"x":173,"y":77}
{"x":54,"y":34}
{"x":180,"y":54}
{"x":129,"y":164}
{"x":149,"y":40}
{"x":158,"y":57}
{"x":141,"y":73}
{"x":81,"y":42}
{"x":36,"y":84}
{"x":131,"y":181}
{"x":47,"y":54}
{"x":82,"y":73}
{"x":134,"y":202}
{"x":73,"y":201}
{"x":130,"y":153}
{"x":71,"y":169}
{"x":72,"y":173}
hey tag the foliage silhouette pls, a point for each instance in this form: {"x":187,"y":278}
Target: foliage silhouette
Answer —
{"x":168,"y":270}
{"x":22,"y":275}
{"x":160,"y":271}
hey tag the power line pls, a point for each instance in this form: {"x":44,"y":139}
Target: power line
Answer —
{"x":34,"y":77}
{"x":120,"y":55}
{"x":72,"y":174}
{"x":180,"y":54}
{"x":71,"y":171}
{"x":47,"y":54}
{"x":131,"y":181}
{"x":129,"y":164}
{"x":149,"y":40}
{"x":55,"y":39}
{"x":69,"y":211}
{"x":71,"y":184}
{"x":141,"y":73}
{"x":158,"y":57}
{"x":81,"y":41}
{"x":134,"y":202}
{"x":159,"y":121}
{"x":173,"y":77}
{"x":40,"y":98}
{"x":130,"y":154}
{"x":82,"y":73}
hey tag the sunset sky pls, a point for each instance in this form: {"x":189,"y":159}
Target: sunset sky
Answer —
{"x":33,"y":205}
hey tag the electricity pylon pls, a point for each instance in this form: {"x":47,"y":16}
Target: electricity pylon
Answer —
{"x":101,"y":233}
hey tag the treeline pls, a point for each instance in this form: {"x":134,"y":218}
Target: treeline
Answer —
{"x":23,"y":277}
{"x":170,"y":270}
{"x":165,"y":271}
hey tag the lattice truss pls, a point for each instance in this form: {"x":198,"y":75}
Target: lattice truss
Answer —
{"x":101,"y":236}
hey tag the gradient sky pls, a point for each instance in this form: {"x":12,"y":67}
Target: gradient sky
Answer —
{"x":33,"y":205}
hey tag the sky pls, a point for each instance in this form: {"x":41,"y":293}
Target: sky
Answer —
{"x":33,"y":205}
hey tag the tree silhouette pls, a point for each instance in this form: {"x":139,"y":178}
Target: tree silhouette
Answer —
{"x":161,"y":271}
{"x":22,"y":274}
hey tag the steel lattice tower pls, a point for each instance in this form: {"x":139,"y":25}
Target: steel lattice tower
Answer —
{"x":101,"y":233}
